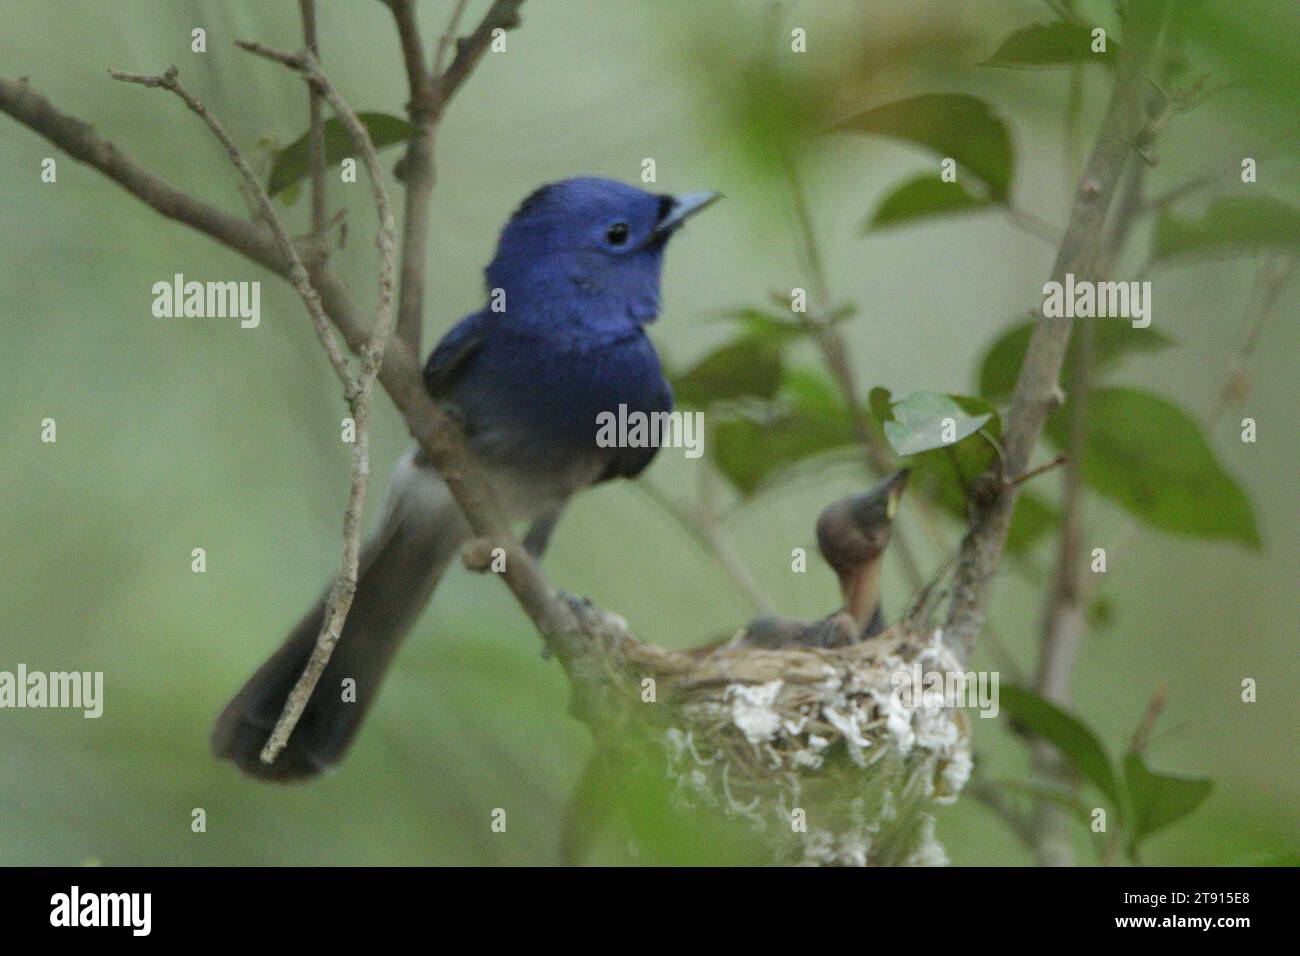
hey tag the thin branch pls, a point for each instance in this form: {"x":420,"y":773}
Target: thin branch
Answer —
{"x":297,"y":272}
{"x":339,"y":601}
{"x":835,"y":354}
{"x":315,"y":135}
{"x":429,"y":94}
{"x":448,"y":35}
{"x":1034,"y":225}
{"x":502,"y":15}
{"x":358,"y":392}
{"x":1037,"y":390}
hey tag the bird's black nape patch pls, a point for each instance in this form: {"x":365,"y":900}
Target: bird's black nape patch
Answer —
{"x":532,"y":199}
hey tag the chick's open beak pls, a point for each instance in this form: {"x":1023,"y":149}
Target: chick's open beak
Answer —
{"x":895,"y":484}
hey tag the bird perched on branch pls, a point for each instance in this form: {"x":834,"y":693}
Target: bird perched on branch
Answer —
{"x":852,"y":535}
{"x":574,"y":281}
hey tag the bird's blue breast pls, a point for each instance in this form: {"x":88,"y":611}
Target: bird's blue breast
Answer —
{"x":533,"y":392}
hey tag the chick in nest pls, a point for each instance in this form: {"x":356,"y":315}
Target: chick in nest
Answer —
{"x":852,"y":535}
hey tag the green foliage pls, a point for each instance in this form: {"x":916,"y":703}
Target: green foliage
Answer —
{"x":1152,"y":458}
{"x":754,"y":446}
{"x":923,"y":198}
{"x":943,"y":473}
{"x":1143,"y":801}
{"x":747,"y":367}
{"x":1076,"y":742}
{"x":1051,"y":793}
{"x":1158,"y":800}
{"x":952,"y":125}
{"x":1112,"y":340}
{"x":1236,"y":225}
{"x":292,"y":163}
{"x":919,"y":421}
{"x":765,"y":415}
{"x":1051,"y":44}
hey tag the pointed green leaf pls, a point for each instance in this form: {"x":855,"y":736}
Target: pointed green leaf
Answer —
{"x":1152,"y":458}
{"x":922,"y":198}
{"x":747,"y":367}
{"x":1068,"y":734}
{"x":1236,"y":225}
{"x":1113,"y":339}
{"x":944,"y":474}
{"x":767,"y":326}
{"x":920,"y":421}
{"x":1159,"y":800}
{"x":951,"y":125}
{"x":1051,"y":44}
{"x":291,"y":163}
{"x":754,"y":449}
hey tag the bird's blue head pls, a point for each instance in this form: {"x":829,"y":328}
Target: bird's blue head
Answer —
{"x":595,"y":241}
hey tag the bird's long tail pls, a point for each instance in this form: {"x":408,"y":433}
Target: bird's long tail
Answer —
{"x":399,"y":568}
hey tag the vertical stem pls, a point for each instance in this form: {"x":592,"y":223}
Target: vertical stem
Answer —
{"x":316,"y":135}
{"x":836,"y":356}
{"x":1037,"y":390}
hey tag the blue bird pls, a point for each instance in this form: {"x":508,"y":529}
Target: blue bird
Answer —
{"x":562,"y":339}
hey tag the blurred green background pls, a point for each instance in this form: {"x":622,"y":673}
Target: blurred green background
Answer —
{"x":176,"y":434}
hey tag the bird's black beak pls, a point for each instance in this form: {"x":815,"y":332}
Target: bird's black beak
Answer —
{"x":680,"y":208}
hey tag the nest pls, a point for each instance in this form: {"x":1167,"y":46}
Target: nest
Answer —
{"x":815,"y":748}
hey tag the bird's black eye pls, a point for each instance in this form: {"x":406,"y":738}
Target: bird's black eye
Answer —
{"x":617,"y":234}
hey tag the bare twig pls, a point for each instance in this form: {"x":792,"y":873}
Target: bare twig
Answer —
{"x":315,"y":135}
{"x":448,"y":35}
{"x":1042,"y":469}
{"x":430,"y":92}
{"x":835,"y":354}
{"x":502,"y":15}
{"x":1034,"y":225}
{"x":297,"y":272}
{"x":1037,"y":390}
{"x":339,"y":601}
{"x":357,"y":391}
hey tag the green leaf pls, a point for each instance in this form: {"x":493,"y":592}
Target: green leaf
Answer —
{"x":1032,"y":520}
{"x":291,"y":163}
{"x":1235,"y":225}
{"x":766,"y":326}
{"x":1152,"y":458}
{"x":754,"y":449}
{"x":952,"y":125}
{"x":922,"y":198}
{"x":1113,"y":339}
{"x":748,"y":367}
{"x":1051,"y":44}
{"x":920,"y":420}
{"x":1158,"y":799}
{"x":943,"y":474}
{"x":1068,"y":734}
{"x":1053,"y":794}
{"x":1101,"y":613}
